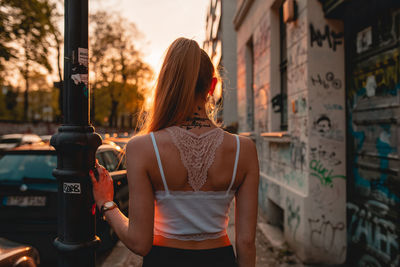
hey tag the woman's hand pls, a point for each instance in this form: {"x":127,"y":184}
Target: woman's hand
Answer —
{"x":103,"y":189}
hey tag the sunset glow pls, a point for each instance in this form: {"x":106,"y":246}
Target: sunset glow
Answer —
{"x":161,"y":22}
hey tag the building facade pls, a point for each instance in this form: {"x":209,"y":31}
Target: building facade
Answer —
{"x":318,"y":90}
{"x":220,"y":44}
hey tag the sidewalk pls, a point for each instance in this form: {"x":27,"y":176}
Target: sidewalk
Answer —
{"x":270,"y":251}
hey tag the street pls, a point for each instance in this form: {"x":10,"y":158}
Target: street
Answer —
{"x":315,"y":84}
{"x":267,"y":254}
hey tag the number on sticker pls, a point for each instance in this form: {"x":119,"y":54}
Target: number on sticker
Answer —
{"x":72,"y":188}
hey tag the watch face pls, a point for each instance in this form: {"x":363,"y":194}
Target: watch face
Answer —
{"x":108,"y":204}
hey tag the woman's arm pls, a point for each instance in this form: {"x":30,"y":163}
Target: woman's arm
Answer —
{"x":246,"y":206}
{"x":136,"y":232}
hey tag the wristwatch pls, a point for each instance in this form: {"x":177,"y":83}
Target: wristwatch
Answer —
{"x":109,"y":205}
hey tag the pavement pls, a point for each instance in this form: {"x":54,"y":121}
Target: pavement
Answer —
{"x":271,"y":249}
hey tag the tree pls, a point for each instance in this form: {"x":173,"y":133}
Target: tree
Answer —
{"x":5,"y":37}
{"x":58,"y":42}
{"x":28,"y":25}
{"x":120,"y":73}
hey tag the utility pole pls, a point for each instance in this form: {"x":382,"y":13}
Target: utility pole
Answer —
{"x":76,"y":144}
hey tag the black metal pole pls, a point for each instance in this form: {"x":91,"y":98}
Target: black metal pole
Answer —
{"x":76,"y":145}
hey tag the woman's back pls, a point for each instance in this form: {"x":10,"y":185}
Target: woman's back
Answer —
{"x":218,"y":179}
{"x":219,"y":174}
{"x":195,"y":157}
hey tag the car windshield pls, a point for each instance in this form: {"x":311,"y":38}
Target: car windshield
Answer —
{"x":10,"y":140}
{"x":17,"y":167}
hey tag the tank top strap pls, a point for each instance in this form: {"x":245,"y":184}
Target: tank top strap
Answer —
{"x":153,"y":139}
{"x":236,"y":163}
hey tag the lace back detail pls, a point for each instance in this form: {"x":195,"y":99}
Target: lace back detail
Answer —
{"x":197,"y":152}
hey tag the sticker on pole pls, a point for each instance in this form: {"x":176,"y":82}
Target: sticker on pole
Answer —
{"x":80,"y":69}
{"x":83,"y":56}
{"x":72,"y":188}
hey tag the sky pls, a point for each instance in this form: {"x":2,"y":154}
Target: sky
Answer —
{"x":160,"y":22}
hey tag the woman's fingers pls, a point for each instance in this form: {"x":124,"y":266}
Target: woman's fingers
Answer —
{"x":103,"y":173}
{"x":92,"y":177}
{"x":100,"y":170}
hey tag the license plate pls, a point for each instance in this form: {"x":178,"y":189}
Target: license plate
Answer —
{"x":26,"y":201}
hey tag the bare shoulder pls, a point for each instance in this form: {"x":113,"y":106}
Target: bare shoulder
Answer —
{"x":248,"y":152}
{"x":138,"y":141}
{"x":248,"y":146}
{"x":139,"y":146}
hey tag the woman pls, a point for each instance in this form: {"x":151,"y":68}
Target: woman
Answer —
{"x":183,"y":172}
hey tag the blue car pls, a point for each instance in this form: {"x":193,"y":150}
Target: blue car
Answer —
{"x":28,"y":196}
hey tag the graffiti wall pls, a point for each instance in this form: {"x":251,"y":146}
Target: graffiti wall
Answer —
{"x":374,"y":188}
{"x":325,"y":217}
{"x":302,"y":170}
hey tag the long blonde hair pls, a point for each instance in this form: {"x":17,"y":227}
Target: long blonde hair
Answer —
{"x":185,"y":75}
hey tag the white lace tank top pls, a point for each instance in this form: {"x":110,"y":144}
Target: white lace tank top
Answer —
{"x":193,"y":215}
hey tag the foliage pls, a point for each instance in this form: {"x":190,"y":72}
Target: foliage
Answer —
{"x":120,"y":74}
{"x":25,"y":39}
{"x":30,"y":37}
{"x":43,"y":101}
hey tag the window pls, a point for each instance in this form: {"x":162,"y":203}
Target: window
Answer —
{"x":282,"y":99}
{"x":250,"y":85}
{"x":110,"y":160}
{"x":121,"y":160}
{"x":21,"y":167}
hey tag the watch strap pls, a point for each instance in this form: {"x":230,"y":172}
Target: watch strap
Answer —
{"x":109,"y":205}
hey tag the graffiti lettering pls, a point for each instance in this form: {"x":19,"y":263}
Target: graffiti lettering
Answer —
{"x":334,"y":39}
{"x":369,"y":227}
{"x":329,"y":82}
{"x":368,"y":261}
{"x":324,"y":175}
{"x":324,"y":235}
{"x":322,"y":153}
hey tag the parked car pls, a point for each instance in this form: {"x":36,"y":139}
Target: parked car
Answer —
{"x":28,"y":196}
{"x":119,"y":141}
{"x":9,"y":141}
{"x":17,"y":255}
{"x":46,"y":138}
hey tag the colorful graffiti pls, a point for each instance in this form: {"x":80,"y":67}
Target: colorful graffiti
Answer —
{"x":383,"y":147}
{"x":373,"y":231}
{"x":370,"y":227}
{"x":385,"y":71}
{"x":325,"y":175}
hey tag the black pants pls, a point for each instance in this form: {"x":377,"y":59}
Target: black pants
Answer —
{"x":165,"y":257}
